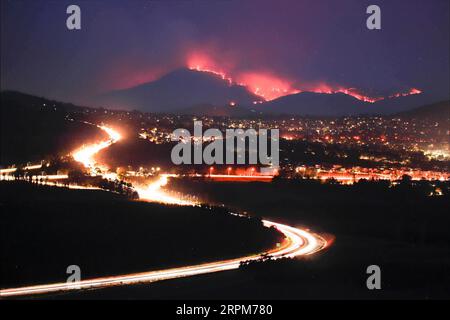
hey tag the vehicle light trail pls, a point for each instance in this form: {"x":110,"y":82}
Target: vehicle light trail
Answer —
{"x":153,"y":192}
{"x":298,"y":242}
{"x":86,"y":154}
{"x":30,"y":167}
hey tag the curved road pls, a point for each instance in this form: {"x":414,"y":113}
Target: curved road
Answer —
{"x":298,"y":242}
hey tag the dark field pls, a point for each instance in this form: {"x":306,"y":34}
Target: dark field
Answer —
{"x":33,"y":129}
{"x":45,"y":229}
{"x":401,"y":229}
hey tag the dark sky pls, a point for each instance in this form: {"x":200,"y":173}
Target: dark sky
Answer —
{"x":302,"y":42}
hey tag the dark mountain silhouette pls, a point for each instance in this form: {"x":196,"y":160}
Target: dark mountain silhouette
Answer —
{"x":400,"y":104}
{"x":338,"y":104}
{"x":310,"y":103}
{"x":437,"y":111}
{"x":305,"y":103}
{"x":185,"y":90}
{"x":177,"y":90}
{"x":14,"y":99}
{"x":35,"y":128}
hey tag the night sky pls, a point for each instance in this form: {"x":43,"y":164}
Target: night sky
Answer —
{"x":304,"y":43}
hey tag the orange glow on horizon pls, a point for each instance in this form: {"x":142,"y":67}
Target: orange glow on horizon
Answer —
{"x":269,"y":87}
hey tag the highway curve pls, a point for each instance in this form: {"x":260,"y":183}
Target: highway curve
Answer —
{"x":297,"y":242}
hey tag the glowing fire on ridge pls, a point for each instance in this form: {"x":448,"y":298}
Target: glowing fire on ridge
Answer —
{"x":266,"y":85}
{"x":269,"y":87}
{"x":217,"y":73}
{"x":403,"y":94}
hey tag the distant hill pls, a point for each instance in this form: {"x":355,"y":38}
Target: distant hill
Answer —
{"x":436,"y":111}
{"x":400,"y":104}
{"x":338,"y":104}
{"x":314,"y":104}
{"x":179,"y":89}
{"x":18,"y":99}
{"x":191,"y":91}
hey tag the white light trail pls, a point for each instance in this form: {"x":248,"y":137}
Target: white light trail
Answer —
{"x":86,"y":154}
{"x":153,"y":192}
{"x":298,"y":242}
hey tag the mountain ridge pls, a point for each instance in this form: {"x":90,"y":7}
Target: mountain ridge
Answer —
{"x":437,"y":111}
{"x":178,"y":89}
{"x":182,"y":90}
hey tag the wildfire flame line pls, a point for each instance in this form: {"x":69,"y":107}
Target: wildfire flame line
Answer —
{"x":279,"y":88}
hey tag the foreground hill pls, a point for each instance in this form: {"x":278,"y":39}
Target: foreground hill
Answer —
{"x":45,"y":229}
{"x":401,"y":229}
{"x":33,"y":128}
